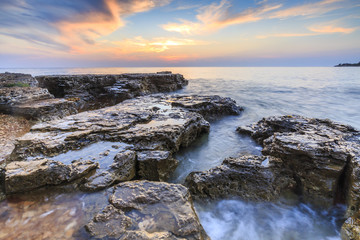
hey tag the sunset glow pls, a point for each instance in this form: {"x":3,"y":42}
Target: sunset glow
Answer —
{"x":102,"y":33}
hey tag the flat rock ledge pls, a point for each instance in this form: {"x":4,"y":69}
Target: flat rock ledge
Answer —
{"x":131,"y":140}
{"x":144,"y":210}
{"x":46,"y":98}
{"x":91,"y":91}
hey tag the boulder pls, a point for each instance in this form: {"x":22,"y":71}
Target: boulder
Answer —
{"x":249,"y":177}
{"x":323,"y":156}
{"x":148,"y":210}
{"x":25,"y":176}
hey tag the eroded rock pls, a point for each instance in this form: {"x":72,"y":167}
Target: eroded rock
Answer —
{"x":323,"y":155}
{"x":249,"y":177}
{"x":147,"y":129}
{"x":24,"y":176}
{"x":155,"y":165}
{"x":123,"y":168}
{"x":148,"y":210}
{"x":95,"y":91}
{"x":17,"y":79}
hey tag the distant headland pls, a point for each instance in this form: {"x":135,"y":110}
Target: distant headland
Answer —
{"x":348,"y":65}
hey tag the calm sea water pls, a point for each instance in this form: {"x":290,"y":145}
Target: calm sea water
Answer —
{"x":332,"y":93}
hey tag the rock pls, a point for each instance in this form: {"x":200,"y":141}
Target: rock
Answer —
{"x":249,"y":177}
{"x":155,"y":165}
{"x":122,"y":169}
{"x":149,"y":126}
{"x":208,"y":106}
{"x":96,"y":91}
{"x":17,"y":79}
{"x":148,"y":210}
{"x":324,"y":156}
{"x":350,"y":230}
{"x":34,"y":103}
{"x":24,"y":176}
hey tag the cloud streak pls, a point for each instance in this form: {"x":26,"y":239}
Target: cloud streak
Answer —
{"x":216,"y":16}
{"x":314,"y":31}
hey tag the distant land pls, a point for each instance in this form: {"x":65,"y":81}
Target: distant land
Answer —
{"x":348,"y":65}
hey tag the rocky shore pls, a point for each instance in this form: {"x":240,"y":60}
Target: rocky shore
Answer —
{"x":121,"y":132}
{"x":130,"y":142}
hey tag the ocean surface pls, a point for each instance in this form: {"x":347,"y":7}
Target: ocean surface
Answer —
{"x":322,"y":92}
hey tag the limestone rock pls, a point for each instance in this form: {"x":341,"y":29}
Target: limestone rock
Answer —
{"x":323,"y":155}
{"x":207,"y":106}
{"x":148,"y":210}
{"x":17,"y":79}
{"x":155,"y":165}
{"x":24,"y":176}
{"x":95,"y":91}
{"x":122,"y":169}
{"x":249,"y":177}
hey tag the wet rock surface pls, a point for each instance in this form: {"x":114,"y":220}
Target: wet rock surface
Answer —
{"x":142,"y":132}
{"x":323,"y":155}
{"x":250,"y":177}
{"x":95,"y":91}
{"x":148,"y":210}
{"x":25,"y":176}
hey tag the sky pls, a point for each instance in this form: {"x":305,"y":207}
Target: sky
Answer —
{"x":162,"y":33}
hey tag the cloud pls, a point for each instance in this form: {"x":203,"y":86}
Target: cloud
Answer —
{"x":76,"y":24}
{"x":157,"y":45}
{"x":314,"y":31}
{"x":219,"y":15}
{"x":216,"y":16}
{"x":317,"y":8}
{"x":331,"y":29}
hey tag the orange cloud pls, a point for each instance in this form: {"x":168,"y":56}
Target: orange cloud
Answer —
{"x":217,"y":16}
{"x":331,"y":29}
{"x":157,"y":45}
{"x":85,"y":29}
{"x":315,"y":30}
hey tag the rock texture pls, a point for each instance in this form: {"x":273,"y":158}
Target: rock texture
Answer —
{"x":148,"y":210}
{"x":25,"y":176}
{"x":323,"y":155}
{"x":19,"y":95}
{"x":12,"y":79}
{"x":95,"y":91}
{"x":149,"y":129}
{"x":249,"y":177}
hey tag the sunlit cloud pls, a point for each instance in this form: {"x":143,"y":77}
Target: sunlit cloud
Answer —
{"x":69,"y":25}
{"x":216,"y":16}
{"x":156,"y":45}
{"x":314,"y":31}
{"x":315,"y":8}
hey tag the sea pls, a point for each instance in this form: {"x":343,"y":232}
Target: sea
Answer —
{"x":319,"y":92}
